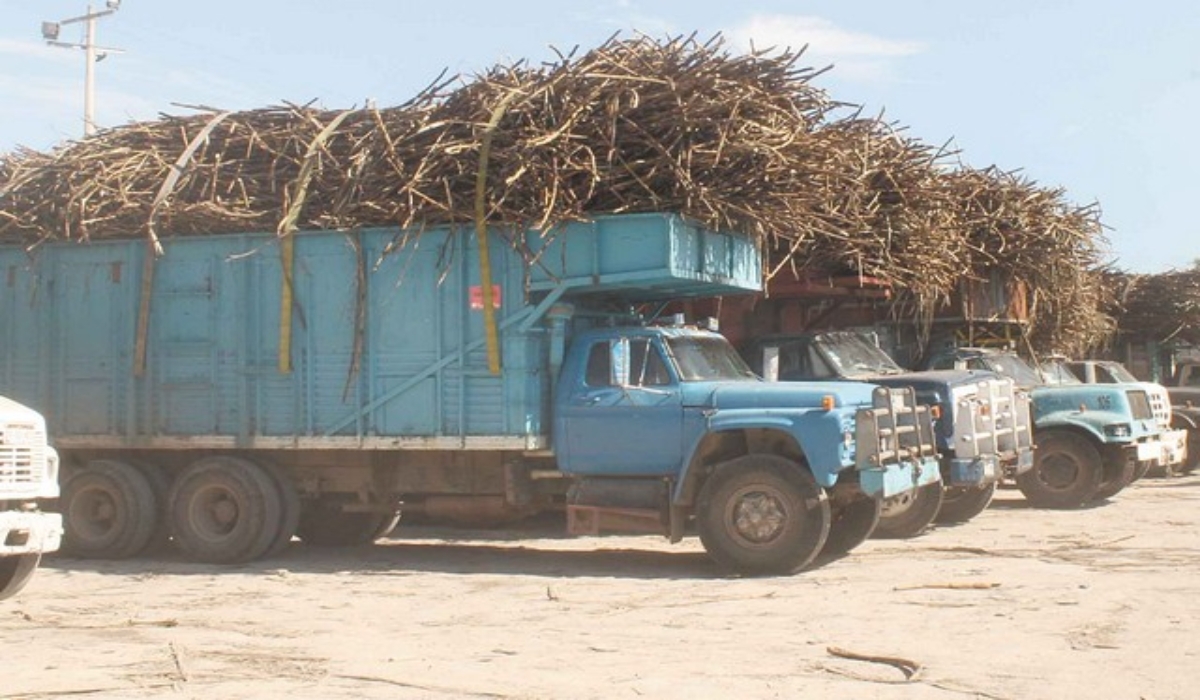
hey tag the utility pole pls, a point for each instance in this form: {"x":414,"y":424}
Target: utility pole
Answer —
{"x":92,"y":53}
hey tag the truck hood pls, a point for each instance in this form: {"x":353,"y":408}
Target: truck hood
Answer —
{"x":13,"y":412}
{"x":1106,"y":398}
{"x":775,"y":394}
{"x":933,"y":379}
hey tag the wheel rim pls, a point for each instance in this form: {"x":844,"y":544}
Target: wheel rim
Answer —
{"x":94,"y":514}
{"x":1058,"y":471}
{"x":214,"y":513}
{"x":757,"y":516}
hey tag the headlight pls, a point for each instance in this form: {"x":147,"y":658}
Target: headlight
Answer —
{"x":1118,"y":430}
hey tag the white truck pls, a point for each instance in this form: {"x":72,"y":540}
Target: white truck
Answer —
{"x":28,"y":481}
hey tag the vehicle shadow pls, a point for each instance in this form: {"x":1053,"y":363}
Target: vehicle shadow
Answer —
{"x":435,"y":551}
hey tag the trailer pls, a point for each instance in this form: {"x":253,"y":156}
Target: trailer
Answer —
{"x":245,"y":389}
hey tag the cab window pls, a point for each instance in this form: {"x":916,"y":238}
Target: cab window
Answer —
{"x":646,"y":365}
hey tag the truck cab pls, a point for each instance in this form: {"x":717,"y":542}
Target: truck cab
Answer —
{"x":1088,"y":438}
{"x":662,"y":426}
{"x":28,"y":481}
{"x":982,"y":422}
{"x":1178,"y":424}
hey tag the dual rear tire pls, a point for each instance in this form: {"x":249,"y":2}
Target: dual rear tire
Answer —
{"x":221,"y":509}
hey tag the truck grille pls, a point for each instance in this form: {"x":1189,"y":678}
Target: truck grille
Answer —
{"x":1160,"y":405}
{"x":995,"y":421}
{"x":1139,"y":405}
{"x":22,"y":461}
{"x":895,"y":430}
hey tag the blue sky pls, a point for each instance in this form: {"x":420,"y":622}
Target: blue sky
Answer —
{"x":1099,"y":97}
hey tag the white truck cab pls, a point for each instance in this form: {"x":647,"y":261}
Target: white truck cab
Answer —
{"x":28,"y":480}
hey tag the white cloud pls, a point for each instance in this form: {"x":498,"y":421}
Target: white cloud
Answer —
{"x":856,"y":55}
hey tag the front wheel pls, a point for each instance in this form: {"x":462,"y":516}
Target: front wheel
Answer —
{"x":15,"y":572}
{"x":1118,"y":473}
{"x":1067,"y":471}
{"x":962,"y":503}
{"x":762,"y":514}
{"x":908,"y":514}
{"x":1193,"y":453}
{"x":851,"y":524}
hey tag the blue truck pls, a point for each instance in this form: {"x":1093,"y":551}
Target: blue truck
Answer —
{"x":242,"y":390}
{"x":1090,"y":438}
{"x":982,"y":421}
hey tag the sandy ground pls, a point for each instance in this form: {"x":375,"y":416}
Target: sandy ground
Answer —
{"x":1019,"y":603}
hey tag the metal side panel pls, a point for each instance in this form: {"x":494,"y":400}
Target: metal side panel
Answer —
{"x":645,"y":257}
{"x":24,"y":332}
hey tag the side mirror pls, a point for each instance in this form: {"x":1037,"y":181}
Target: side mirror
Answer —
{"x":619,"y":367}
{"x":770,"y":363}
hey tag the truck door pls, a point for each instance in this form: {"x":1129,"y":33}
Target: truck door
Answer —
{"x":625,"y":415}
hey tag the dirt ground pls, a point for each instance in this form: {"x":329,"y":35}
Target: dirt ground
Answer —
{"x":1019,"y":603}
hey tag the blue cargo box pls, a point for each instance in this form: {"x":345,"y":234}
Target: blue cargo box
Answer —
{"x":388,"y":351}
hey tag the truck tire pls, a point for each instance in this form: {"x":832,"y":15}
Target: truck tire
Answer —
{"x":289,"y":502}
{"x":962,"y":503}
{"x":1193,"y":453}
{"x":1118,"y":473}
{"x":762,"y":514}
{"x":160,"y":486}
{"x":109,"y":511}
{"x":324,"y":524}
{"x":909,"y":514}
{"x":15,"y":572}
{"x":225,"y":510}
{"x":1066,"y":471}
{"x":850,"y":525}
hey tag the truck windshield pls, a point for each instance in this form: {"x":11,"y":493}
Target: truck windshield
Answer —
{"x":1114,"y":373}
{"x":707,"y":358}
{"x":1014,"y":368}
{"x":1057,"y":372}
{"x":855,"y":356}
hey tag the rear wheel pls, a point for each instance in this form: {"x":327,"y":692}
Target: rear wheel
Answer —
{"x":1067,"y":471}
{"x":762,"y":514}
{"x":109,"y":511}
{"x":289,"y":505}
{"x":160,"y":486}
{"x":225,"y":510}
{"x":324,"y":524}
{"x":961,"y":503}
{"x":15,"y":572}
{"x":851,"y":523}
{"x":908,"y":514}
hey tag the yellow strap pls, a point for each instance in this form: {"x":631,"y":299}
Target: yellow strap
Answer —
{"x":287,"y":246}
{"x":154,"y":247}
{"x":481,"y":234}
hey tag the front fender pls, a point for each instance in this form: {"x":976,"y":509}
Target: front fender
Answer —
{"x":824,"y":437}
{"x":1090,"y":422}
